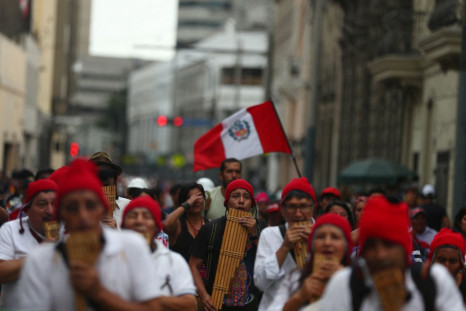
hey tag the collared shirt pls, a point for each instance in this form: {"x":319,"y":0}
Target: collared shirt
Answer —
{"x":124,"y":267}
{"x":268,"y":276}
{"x":119,"y":208}
{"x":14,"y":245}
{"x":217,"y":207}
{"x":337,"y":295}
{"x":173,"y":276}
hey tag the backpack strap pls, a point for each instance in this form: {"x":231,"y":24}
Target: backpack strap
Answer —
{"x":283,"y":233}
{"x":359,"y":290}
{"x":426,"y":285}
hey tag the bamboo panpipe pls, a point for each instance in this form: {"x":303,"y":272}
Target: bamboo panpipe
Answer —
{"x":110,"y":194}
{"x":231,"y":252}
{"x":390,"y":288}
{"x":318,"y":260}
{"x":300,"y":248}
{"x":85,"y":247}
{"x":51,"y":229}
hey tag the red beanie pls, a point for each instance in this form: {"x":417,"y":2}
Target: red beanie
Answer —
{"x":239,"y":184}
{"x":80,"y":175}
{"x":337,"y":221}
{"x":446,"y":237}
{"x":388,"y":221}
{"x":57,"y":176}
{"x":332,"y":191}
{"x":301,"y":184}
{"x":148,"y":203}
{"x":40,"y":185}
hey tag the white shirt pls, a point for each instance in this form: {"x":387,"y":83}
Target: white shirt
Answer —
{"x":427,"y":236}
{"x":173,"y":276}
{"x":124,"y":267}
{"x":119,"y":208}
{"x":268,"y":276}
{"x":337,"y":295}
{"x":14,"y":245}
{"x":217,"y":200}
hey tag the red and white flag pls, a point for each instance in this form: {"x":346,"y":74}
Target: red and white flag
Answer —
{"x":249,"y":132}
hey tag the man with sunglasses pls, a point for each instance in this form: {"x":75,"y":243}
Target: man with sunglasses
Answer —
{"x":274,"y":259}
{"x":108,"y":174}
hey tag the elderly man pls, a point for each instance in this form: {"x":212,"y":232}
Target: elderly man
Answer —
{"x":19,"y":237}
{"x":384,"y":278}
{"x":275,"y":258}
{"x":122,"y":277}
{"x":230,"y":169}
{"x":242,"y":294}
{"x":174,"y":278}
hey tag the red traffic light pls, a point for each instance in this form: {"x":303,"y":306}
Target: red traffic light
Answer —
{"x":162,"y":120}
{"x":74,"y":149}
{"x":178,"y":121}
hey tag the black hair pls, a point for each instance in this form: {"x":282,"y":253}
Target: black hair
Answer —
{"x":377,"y":190}
{"x":298,"y":194}
{"x":134,"y":192}
{"x":230,"y":160}
{"x":459,"y":216}
{"x":174,"y":189}
{"x":43,"y":171}
{"x":345,"y":207}
{"x":185,"y":188}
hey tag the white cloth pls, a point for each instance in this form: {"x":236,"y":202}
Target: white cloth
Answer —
{"x":124,"y":267}
{"x":268,"y":276}
{"x":217,"y":200}
{"x":14,"y":245}
{"x":173,"y":276}
{"x":427,"y":236}
{"x":337,"y":295}
{"x":119,"y":208}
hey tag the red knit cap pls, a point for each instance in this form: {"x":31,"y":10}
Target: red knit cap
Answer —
{"x":337,"y":221}
{"x":146,"y":202}
{"x":80,"y":175}
{"x":388,"y":221}
{"x":239,"y":184}
{"x":332,"y":191}
{"x":446,"y":237}
{"x":301,"y":184}
{"x":38,"y":186}
{"x":57,"y":176}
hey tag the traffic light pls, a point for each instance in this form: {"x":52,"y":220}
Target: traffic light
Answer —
{"x":162,"y":120}
{"x":178,"y":121}
{"x":74,"y":149}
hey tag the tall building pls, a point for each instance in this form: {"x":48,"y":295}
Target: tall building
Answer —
{"x":198,"y":19}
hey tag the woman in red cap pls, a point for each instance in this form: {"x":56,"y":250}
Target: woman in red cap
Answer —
{"x":330,"y":248}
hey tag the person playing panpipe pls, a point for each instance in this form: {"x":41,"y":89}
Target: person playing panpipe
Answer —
{"x":94,"y":268}
{"x":173,"y":276}
{"x":330,"y":247}
{"x":20,"y":236}
{"x":223,"y":251}
{"x":281,"y":248}
{"x":384,"y":277}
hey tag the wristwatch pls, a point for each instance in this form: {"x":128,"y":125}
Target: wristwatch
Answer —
{"x":186,"y":205}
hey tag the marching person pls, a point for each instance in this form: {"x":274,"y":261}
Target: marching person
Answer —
{"x":384,"y":276}
{"x":243,"y":295}
{"x":108,"y":174}
{"x":172,"y":273}
{"x":122,"y":277}
{"x":230,"y":169}
{"x":275,"y":256}
{"x":20,"y":236}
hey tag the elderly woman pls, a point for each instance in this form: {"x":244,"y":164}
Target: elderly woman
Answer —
{"x":330,"y":247}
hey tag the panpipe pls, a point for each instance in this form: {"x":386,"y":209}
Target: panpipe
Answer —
{"x":85,"y":247}
{"x":51,"y":230}
{"x":390,"y":288}
{"x":234,"y":243}
{"x":300,"y":248}
{"x":317,"y":261}
{"x":110,"y":194}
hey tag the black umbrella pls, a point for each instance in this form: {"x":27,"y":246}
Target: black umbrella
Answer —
{"x":375,"y":171}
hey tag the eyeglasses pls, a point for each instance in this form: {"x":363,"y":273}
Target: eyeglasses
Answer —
{"x":237,"y":196}
{"x":292,"y":208}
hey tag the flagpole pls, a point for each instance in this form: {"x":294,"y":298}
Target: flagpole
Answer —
{"x":286,"y":137}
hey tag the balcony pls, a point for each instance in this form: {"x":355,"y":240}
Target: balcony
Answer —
{"x":405,"y":68}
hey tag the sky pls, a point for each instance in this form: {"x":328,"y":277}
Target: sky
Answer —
{"x":133,"y":28}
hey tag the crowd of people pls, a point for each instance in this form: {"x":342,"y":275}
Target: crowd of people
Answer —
{"x":65,"y":244}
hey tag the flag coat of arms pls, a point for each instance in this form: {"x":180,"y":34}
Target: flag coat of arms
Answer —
{"x":251,"y":131}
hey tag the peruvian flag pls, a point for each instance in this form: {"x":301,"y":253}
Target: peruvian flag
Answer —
{"x":249,"y":132}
